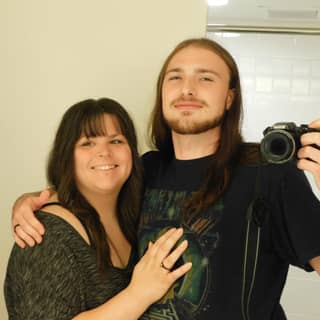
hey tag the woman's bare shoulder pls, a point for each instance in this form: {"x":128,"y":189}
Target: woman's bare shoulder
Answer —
{"x":69,"y":217}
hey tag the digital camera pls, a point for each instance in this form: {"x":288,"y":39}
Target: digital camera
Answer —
{"x":282,"y":140}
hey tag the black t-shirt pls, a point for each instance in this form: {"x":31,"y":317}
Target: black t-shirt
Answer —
{"x":217,"y":239}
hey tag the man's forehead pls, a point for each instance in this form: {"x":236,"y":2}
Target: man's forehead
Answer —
{"x":194,"y":55}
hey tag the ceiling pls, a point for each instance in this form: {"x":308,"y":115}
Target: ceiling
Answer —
{"x":270,"y":13}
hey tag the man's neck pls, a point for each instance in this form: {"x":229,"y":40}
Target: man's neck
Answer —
{"x":194,"y":146}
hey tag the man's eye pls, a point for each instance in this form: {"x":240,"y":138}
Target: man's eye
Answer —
{"x":206,"y":79}
{"x":174,"y":78}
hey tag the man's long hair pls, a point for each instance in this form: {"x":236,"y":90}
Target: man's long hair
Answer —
{"x":227,"y":154}
{"x":87,"y":118}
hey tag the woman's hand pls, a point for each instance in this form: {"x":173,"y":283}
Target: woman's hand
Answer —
{"x":153,"y":274}
{"x":26,"y":228}
{"x":308,"y":155}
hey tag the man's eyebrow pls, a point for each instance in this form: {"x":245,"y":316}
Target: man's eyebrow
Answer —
{"x":203,"y":70}
{"x":198,"y":70}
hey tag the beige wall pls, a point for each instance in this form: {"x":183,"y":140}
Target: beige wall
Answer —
{"x":55,"y":53}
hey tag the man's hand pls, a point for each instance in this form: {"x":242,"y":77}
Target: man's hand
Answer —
{"x":308,"y":155}
{"x":26,"y":229}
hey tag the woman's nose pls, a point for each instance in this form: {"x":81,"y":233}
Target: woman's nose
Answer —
{"x":104,"y":151}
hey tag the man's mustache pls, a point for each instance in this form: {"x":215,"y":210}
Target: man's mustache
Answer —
{"x":189,"y":99}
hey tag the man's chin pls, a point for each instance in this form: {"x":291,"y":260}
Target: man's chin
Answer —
{"x":194,"y":128}
{"x":188,"y":126}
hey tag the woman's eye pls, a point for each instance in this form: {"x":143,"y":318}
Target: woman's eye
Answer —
{"x":87,"y":143}
{"x":116,"y":141}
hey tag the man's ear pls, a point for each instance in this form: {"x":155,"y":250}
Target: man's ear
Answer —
{"x":230,"y":98}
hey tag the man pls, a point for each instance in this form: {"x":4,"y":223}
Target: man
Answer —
{"x":245,"y":221}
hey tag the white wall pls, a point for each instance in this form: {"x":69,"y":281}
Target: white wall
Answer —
{"x":55,"y":53}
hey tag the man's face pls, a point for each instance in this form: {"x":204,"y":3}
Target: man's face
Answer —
{"x":195,"y":91}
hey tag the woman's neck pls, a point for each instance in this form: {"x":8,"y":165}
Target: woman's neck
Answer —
{"x":106,"y":207}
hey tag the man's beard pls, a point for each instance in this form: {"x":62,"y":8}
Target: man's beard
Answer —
{"x":186,"y":126}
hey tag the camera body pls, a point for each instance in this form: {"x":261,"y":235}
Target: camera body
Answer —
{"x":282,"y":140}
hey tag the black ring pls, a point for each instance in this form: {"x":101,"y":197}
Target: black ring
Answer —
{"x":164,"y":267}
{"x":15,"y":227}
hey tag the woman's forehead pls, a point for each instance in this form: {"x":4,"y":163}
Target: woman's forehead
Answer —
{"x":102,"y":125}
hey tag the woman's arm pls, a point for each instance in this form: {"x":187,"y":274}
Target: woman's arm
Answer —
{"x":150,"y":281}
{"x":44,"y":282}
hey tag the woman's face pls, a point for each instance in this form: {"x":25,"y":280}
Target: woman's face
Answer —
{"x":103,"y":163}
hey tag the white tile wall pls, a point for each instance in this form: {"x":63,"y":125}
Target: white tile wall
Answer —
{"x":280,"y":78}
{"x":281,"y":82}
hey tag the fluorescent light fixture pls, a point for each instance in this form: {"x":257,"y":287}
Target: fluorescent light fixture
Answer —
{"x":231,"y":35}
{"x":216,"y":3}
{"x":227,"y":34}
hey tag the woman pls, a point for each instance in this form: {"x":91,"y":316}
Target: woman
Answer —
{"x":83,"y":267}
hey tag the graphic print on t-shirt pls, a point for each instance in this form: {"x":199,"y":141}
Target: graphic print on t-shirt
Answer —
{"x":188,"y":296}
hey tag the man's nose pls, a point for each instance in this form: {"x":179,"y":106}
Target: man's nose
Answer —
{"x":189,"y":88}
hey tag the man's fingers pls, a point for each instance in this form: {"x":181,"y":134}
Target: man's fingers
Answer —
{"x":42,"y":199}
{"x":36,"y":229}
{"x":310,"y":138}
{"x":24,"y":236}
{"x":28,"y":226}
{"x":309,"y":152}
{"x":33,"y":233}
{"x":29,"y":223}
{"x":44,"y":196}
{"x":315,"y":124}
{"x":18,"y":241}
{"x":34,"y":203}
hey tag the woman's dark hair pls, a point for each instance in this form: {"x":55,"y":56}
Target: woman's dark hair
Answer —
{"x":87,"y":118}
{"x":229,"y":150}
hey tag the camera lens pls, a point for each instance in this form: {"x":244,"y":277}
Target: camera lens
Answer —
{"x":277,"y":146}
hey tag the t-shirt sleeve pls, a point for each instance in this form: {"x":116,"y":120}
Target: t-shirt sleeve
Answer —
{"x":296,"y":219}
{"x":42,"y":282}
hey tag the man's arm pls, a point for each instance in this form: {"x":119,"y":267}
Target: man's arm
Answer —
{"x":315,"y":264}
{"x":26,"y":228}
{"x":309,"y":159}
{"x":309,"y":156}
